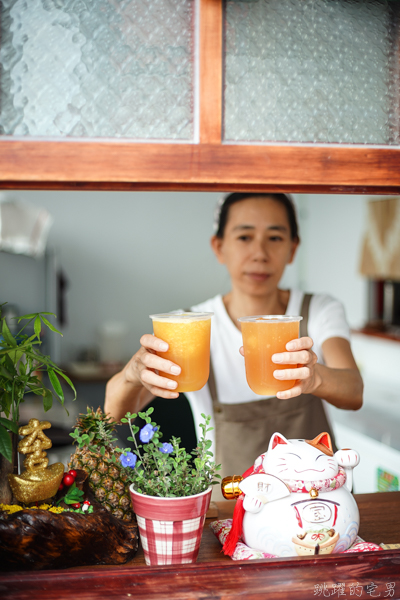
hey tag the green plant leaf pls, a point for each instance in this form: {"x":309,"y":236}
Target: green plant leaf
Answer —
{"x":49,"y":325}
{"x":22,"y":368}
{"x":9,"y":365}
{"x":37,"y":327}
{"x":27,"y":317}
{"x":7,"y":335}
{"x":5,"y":444}
{"x":9,"y":424}
{"x":67,"y":379}
{"x":56,"y":384}
{"x":72,"y":496}
{"x":47,"y":400}
{"x":5,"y":373}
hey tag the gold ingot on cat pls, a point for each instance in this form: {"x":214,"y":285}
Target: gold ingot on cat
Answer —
{"x":230,"y":487}
{"x":39,"y":481}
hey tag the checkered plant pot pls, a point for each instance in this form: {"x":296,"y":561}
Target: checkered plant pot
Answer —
{"x":170,"y":528}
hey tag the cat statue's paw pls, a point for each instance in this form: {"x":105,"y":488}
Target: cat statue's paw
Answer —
{"x":348,"y":459}
{"x":252,"y":505}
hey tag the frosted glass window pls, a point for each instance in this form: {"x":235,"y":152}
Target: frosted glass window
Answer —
{"x":107,"y":68}
{"x":312,"y":71}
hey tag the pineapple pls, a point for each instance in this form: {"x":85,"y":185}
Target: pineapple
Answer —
{"x":94,"y":435}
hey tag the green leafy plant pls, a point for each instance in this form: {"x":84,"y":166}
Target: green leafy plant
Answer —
{"x":72,"y":496}
{"x":21,"y":367}
{"x":166,"y":469}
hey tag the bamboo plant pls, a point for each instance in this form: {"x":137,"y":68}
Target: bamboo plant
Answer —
{"x":22,"y":365}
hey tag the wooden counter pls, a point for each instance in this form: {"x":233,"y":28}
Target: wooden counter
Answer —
{"x":215,"y":576}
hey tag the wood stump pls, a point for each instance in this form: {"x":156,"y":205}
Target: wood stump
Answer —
{"x":39,"y":539}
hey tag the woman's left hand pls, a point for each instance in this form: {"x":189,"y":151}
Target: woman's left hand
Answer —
{"x":304,"y":371}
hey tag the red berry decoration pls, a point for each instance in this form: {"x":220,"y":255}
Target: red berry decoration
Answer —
{"x":73,"y":473}
{"x":76,"y":505}
{"x":60,"y":487}
{"x":68,"y":479}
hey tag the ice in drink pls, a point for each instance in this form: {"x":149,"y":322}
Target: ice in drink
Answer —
{"x":264,"y":336}
{"x":188,"y":337}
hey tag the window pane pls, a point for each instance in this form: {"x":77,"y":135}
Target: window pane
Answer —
{"x":312,"y":71}
{"x":107,"y":68}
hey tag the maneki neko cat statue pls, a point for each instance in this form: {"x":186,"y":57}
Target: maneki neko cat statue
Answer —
{"x":296,"y":499}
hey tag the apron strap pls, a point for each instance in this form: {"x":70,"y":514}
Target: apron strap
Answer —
{"x":213,"y":389}
{"x":304,"y":312}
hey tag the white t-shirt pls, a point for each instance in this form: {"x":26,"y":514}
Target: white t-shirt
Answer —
{"x":326,"y":320}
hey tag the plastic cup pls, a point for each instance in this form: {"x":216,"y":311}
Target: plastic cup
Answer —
{"x":188,"y":337}
{"x":263,"y":336}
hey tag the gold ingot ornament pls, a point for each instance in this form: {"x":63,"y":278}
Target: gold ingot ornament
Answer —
{"x":39,"y":481}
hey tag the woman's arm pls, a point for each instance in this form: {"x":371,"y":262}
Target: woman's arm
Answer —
{"x":138,"y":383}
{"x":338,"y":381}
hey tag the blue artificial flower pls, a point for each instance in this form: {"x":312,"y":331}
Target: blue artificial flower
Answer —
{"x":128,"y":460}
{"x":166,"y":448}
{"x":146,"y":433}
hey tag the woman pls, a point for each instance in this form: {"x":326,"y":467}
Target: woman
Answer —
{"x":256,"y":237}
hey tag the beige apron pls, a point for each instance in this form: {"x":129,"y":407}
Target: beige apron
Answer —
{"x":243,"y":431}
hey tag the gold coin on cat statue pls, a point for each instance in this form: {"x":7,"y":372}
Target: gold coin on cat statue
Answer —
{"x":39,"y":481}
{"x":230,"y":487}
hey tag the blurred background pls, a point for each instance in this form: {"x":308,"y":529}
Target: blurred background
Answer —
{"x":113,"y":258}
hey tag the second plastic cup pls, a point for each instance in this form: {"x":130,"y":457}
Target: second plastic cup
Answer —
{"x":188,"y":337}
{"x":263,"y":336}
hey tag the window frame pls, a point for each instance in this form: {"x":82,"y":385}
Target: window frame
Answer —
{"x":206,"y":164}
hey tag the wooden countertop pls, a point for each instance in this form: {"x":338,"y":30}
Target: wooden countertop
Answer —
{"x":215,"y":576}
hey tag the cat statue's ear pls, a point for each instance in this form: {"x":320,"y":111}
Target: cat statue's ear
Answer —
{"x":323,"y":443}
{"x":277,"y":438}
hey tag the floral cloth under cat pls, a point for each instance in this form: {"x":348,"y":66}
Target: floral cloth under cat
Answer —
{"x":221,"y":529}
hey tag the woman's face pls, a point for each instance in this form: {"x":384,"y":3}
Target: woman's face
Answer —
{"x":257,"y":245}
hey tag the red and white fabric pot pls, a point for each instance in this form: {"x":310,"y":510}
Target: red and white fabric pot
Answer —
{"x":170,"y":528}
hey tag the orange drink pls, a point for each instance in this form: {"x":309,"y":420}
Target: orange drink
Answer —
{"x":188,"y":337}
{"x":264,"y":336}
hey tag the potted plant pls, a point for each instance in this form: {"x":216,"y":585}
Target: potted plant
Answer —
{"x":21,"y":367}
{"x":170,"y":490}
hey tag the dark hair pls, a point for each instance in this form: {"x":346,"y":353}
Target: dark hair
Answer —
{"x":237,"y":197}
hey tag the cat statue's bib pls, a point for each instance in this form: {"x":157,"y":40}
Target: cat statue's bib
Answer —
{"x":297,"y":499}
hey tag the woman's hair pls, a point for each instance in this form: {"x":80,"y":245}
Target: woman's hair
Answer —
{"x":222,"y":211}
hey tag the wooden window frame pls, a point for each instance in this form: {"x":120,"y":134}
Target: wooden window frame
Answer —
{"x":208,"y":164}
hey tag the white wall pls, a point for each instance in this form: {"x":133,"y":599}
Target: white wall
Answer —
{"x":332,"y":230}
{"x":127,"y":255}
{"x":130,"y":254}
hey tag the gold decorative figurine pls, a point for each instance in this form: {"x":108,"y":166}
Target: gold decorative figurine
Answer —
{"x":39,"y":481}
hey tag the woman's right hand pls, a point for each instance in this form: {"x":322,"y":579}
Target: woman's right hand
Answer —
{"x":145,"y":365}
